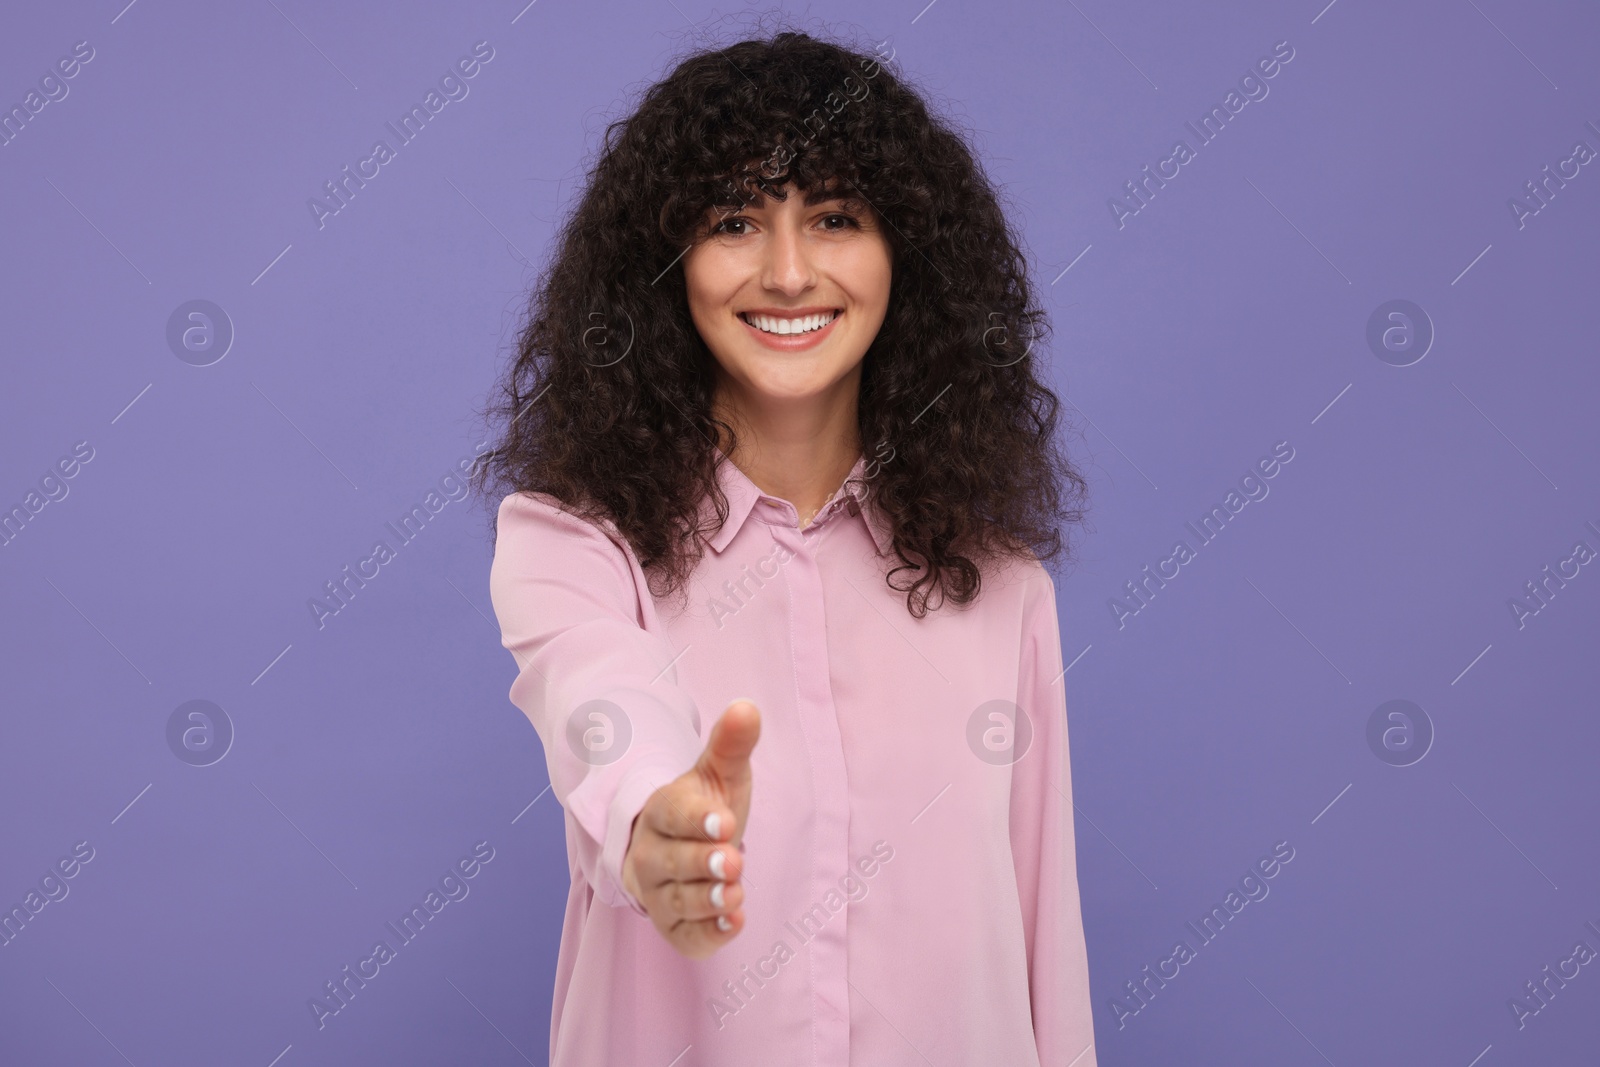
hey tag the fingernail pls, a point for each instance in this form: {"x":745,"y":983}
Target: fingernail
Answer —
{"x":718,"y":865}
{"x":716,"y":894}
{"x":724,"y":923}
{"x":714,"y":826}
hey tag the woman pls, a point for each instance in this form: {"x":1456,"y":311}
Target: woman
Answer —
{"x":780,"y":477}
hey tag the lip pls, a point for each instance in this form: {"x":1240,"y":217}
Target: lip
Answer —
{"x":793,"y":342}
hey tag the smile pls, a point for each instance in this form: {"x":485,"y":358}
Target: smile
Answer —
{"x":779,"y":327}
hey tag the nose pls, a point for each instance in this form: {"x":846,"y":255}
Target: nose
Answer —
{"x":788,"y":268}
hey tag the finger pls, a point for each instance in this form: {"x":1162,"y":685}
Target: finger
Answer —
{"x":733,"y":738}
{"x":684,"y":861}
{"x":657,"y":861}
{"x":699,"y":901}
{"x":699,"y":939}
{"x":719,"y":862}
{"x":685,"y":810}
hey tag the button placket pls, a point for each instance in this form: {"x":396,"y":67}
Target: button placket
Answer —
{"x":818,"y":715}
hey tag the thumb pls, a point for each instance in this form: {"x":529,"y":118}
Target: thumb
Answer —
{"x":727,"y":753}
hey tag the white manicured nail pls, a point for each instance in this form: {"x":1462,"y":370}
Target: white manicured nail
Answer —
{"x":716,"y":894}
{"x":718,"y":865}
{"x":724,"y":923}
{"x":713,"y":826}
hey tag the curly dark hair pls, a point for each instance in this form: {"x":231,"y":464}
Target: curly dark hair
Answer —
{"x":608,"y":403}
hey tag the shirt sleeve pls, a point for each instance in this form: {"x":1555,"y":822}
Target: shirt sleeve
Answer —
{"x":566,"y":593}
{"x":1043,"y":846}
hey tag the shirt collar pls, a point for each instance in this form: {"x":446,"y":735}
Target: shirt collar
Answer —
{"x":743,"y":495}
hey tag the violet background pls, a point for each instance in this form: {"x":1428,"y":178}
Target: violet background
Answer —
{"x":1229,"y":314}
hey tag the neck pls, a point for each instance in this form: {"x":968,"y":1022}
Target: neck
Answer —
{"x":796,"y":452}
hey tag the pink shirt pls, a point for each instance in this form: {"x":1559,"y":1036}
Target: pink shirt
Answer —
{"x":910,"y":876}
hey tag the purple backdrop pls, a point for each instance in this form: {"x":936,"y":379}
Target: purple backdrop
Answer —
{"x":1378,"y":261}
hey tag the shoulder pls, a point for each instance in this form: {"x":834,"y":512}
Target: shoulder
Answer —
{"x":1024,"y":580}
{"x":542,"y":512}
{"x":540,"y":525}
{"x":547,"y":557}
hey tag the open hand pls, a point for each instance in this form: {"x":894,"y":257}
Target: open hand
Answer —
{"x":683,"y":862}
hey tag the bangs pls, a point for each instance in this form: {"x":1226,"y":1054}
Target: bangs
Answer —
{"x":818,"y":175}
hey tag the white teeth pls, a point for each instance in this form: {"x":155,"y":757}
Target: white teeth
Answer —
{"x":782,"y":327}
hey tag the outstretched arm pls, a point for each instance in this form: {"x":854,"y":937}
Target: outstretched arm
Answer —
{"x":597,"y":686}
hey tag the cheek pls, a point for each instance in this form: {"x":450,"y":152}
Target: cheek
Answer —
{"x":703,"y":314}
{"x":869,"y":286}
{"x":711,"y":281}
{"x":694,"y":283}
{"x":872,"y":275}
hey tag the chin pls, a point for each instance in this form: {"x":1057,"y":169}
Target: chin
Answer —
{"x":789,"y":392}
{"x":794,"y":387}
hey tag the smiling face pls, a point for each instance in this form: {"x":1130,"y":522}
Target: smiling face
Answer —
{"x":788,"y":296}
